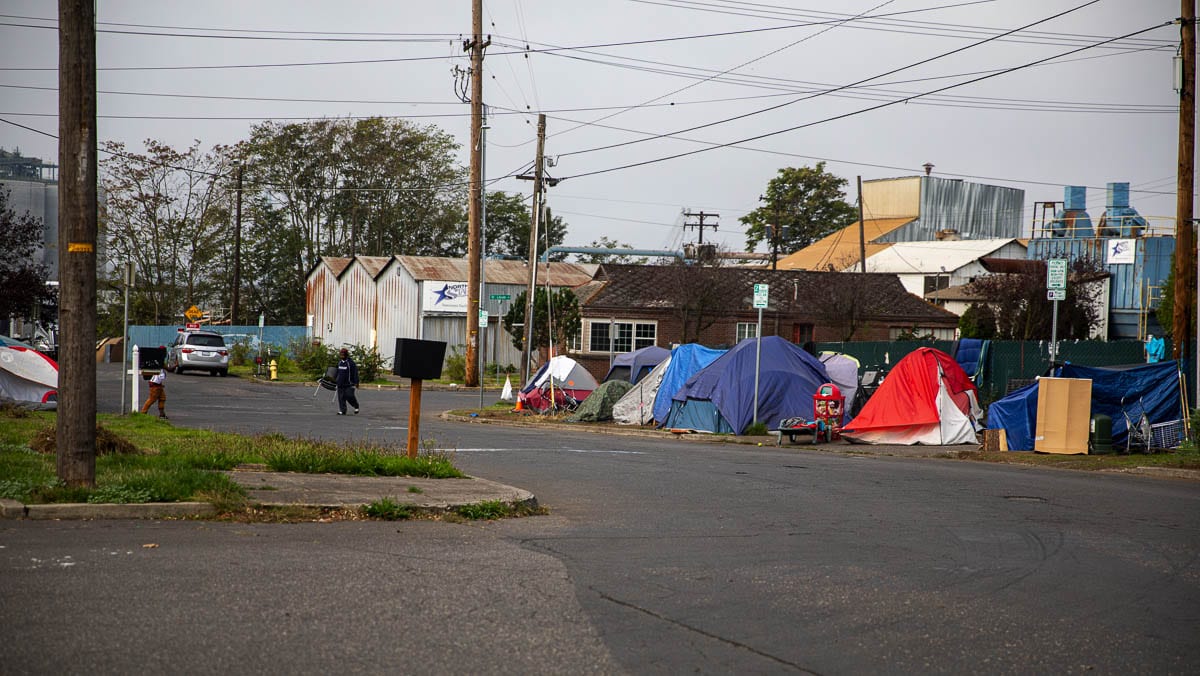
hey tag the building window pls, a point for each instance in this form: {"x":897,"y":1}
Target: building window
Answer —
{"x":620,"y":336}
{"x":802,"y":333}
{"x":746,"y":330}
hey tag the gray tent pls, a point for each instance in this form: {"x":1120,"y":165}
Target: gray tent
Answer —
{"x":598,"y":406}
{"x":637,"y":406}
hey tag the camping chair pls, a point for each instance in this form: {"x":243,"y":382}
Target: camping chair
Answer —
{"x":327,"y":382}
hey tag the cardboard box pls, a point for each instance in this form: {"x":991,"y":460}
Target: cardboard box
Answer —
{"x":1063,"y":415}
{"x":995,"y":441}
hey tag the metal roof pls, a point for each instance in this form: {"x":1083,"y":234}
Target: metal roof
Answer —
{"x":498,"y":271}
{"x":932,"y":257}
{"x":840,"y":249}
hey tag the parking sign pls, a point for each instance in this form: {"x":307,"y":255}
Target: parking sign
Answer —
{"x":760,"y":295}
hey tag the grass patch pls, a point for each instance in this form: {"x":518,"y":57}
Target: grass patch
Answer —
{"x":141,"y":458}
{"x":388,"y":510}
{"x":1175,"y":460}
{"x":494,"y":509}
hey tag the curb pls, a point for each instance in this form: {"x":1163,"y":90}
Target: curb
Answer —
{"x":11,"y":509}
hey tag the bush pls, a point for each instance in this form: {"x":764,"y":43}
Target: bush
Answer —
{"x":312,"y":358}
{"x":370,"y":362}
{"x":456,"y":364}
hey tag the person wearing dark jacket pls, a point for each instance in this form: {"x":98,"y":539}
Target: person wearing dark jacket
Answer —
{"x":347,"y":380}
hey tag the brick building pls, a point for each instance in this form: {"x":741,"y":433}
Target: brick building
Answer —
{"x":627,"y":307}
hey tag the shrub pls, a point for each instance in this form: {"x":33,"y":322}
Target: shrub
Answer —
{"x":312,"y":358}
{"x":370,"y":362}
{"x":456,"y":364}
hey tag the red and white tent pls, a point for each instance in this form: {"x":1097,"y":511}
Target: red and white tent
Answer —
{"x":925,"y":399}
{"x":28,"y":378}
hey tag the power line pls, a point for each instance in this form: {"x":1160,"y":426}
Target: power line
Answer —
{"x":853,"y":113}
{"x":840,"y":88}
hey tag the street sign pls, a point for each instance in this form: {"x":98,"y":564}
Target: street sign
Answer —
{"x":500,"y":296}
{"x":483,"y":319}
{"x":191,"y":325}
{"x":193,"y":313}
{"x":1056,"y":273}
{"x":760,"y":295}
{"x":1056,"y":294}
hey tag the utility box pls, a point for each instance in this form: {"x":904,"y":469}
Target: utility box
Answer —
{"x":1063,"y":415}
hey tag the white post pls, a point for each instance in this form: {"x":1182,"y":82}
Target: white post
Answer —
{"x":757,"y":358}
{"x":125,"y":335}
{"x":134,"y":381}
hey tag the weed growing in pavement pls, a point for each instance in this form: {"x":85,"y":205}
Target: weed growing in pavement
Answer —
{"x":415,"y":489}
{"x":758,"y":429}
{"x":388,"y":509}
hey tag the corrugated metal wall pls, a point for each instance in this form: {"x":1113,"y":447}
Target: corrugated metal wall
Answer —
{"x":353,"y":308}
{"x":398,"y":298}
{"x":891,"y":198}
{"x":1152,"y":264}
{"x":975,"y":210}
{"x":321,"y":285}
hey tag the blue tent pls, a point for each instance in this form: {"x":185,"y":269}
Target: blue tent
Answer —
{"x":631,"y":366}
{"x":1114,"y":390}
{"x":720,"y":398}
{"x":686,"y":360}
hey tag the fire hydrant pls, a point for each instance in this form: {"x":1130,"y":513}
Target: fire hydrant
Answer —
{"x":273,"y":366}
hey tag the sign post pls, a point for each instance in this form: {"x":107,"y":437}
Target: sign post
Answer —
{"x":1056,"y":290}
{"x":483,"y":324}
{"x":761,"y":296}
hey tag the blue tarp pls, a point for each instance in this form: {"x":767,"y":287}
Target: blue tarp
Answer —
{"x":686,"y":360}
{"x":1154,"y":387}
{"x":970,"y":353}
{"x":631,"y":366}
{"x":788,"y":378}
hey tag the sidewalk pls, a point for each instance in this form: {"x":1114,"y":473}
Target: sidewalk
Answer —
{"x":288,"y":489}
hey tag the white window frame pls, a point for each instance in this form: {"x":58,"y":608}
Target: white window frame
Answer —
{"x":939,"y":333}
{"x":618,"y":345}
{"x":745,"y":330}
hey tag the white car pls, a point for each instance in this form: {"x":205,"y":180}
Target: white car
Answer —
{"x":198,"y":351}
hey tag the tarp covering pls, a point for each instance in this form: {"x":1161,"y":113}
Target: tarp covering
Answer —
{"x":925,"y":399}
{"x":1016,"y":414}
{"x":28,"y":378}
{"x":788,"y":377}
{"x":970,"y":354}
{"x":637,"y":406}
{"x":598,"y":407}
{"x":1153,"y":387}
{"x":633,"y":366}
{"x":686,"y":360}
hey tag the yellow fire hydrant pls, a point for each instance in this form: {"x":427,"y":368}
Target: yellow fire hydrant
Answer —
{"x":273,"y":366}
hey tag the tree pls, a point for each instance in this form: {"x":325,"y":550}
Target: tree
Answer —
{"x":564,"y":312}
{"x":808,"y":201}
{"x":22,"y":278}
{"x":1022,"y":311}
{"x":1165,"y":312}
{"x":166,"y":213}
{"x":694,"y":294}
{"x":341,"y":187}
{"x":614,"y":245}
{"x":508,"y":223}
{"x":978,"y":321}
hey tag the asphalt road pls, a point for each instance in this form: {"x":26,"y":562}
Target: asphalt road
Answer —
{"x":658,"y":556}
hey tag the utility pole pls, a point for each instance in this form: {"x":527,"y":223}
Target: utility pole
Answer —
{"x":862,"y":230}
{"x":474,"y":207}
{"x":1185,"y":233}
{"x":700,"y":225}
{"x":237,"y":251}
{"x":76,"y":424}
{"x":538,"y":175}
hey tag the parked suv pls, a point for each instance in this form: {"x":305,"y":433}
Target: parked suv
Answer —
{"x":198,"y":351}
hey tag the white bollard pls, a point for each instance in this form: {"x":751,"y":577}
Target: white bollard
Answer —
{"x":137,"y":375}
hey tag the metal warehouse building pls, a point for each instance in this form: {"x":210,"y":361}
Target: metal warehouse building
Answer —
{"x":373,"y":300}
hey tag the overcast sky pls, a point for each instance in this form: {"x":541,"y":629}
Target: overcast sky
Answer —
{"x":178,"y":71}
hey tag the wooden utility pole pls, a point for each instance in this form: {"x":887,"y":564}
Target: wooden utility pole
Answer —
{"x":76,"y":425}
{"x":475,"y":194}
{"x":1185,"y":232}
{"x":538,"y":175}
{"x":862,"y":231}
{"x":237,"y":252}
{"x":700,"y":224}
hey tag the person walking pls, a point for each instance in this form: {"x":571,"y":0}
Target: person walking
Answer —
{"x":158,"y":392}
{"x":347,"y":380}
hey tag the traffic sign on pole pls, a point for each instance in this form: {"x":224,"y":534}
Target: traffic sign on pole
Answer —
{"x":500,"y":296}
{"x":1056,"y":294}
{"x":1056,"y":273}
{"x":761,"y":295}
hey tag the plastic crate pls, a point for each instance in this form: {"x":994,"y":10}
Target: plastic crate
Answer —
{"x":1167,"y":434}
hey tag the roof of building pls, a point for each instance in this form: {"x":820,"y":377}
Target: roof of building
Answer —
{"x":336,"y":264}
{"x":881,"y":296}
{"x":841,"y":249}
{"x":932,"y":257}
{"x":434,"y":268}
